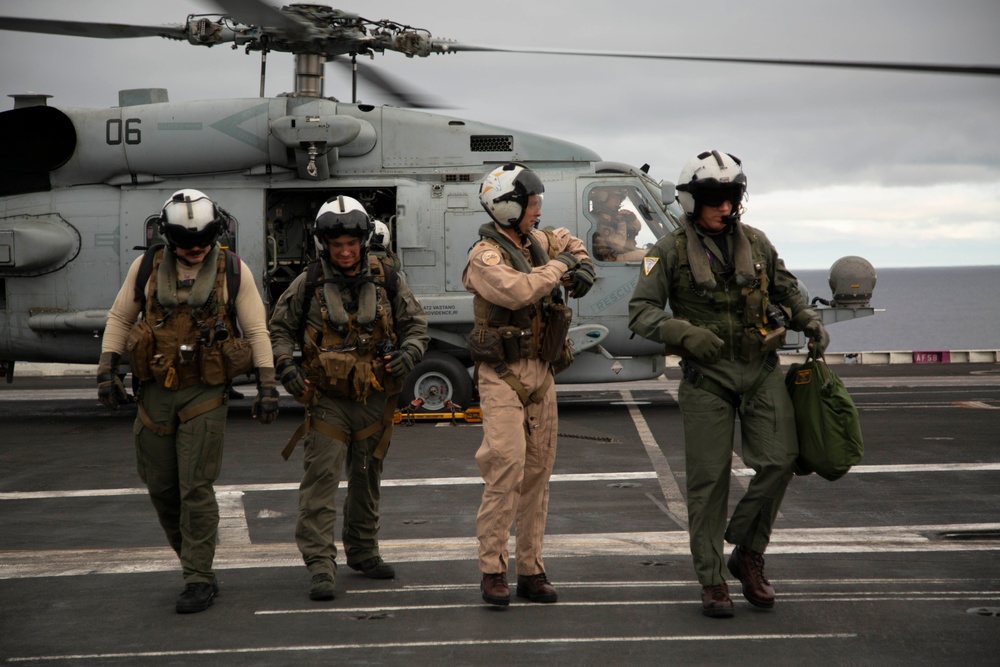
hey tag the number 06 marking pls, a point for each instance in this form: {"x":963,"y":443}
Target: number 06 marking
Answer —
{"x":113,"y":133}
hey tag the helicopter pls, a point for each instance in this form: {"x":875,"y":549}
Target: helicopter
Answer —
{"x":79,"y":202}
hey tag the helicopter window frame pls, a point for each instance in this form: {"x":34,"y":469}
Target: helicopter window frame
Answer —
{"x":635,"y":202}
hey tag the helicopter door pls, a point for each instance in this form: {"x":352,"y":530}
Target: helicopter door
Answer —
{"x":618,"y":223}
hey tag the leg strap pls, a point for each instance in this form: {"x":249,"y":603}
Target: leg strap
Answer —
{"x":505,"y":374}
{"x":185,"y":415}
{"x":313,"y":424}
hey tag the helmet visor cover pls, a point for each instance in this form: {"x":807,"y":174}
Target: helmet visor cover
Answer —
{"x":504,"y":193}
{"x":330,"y":225}
{"x":713,"y":193}
{"x":190,"y":219}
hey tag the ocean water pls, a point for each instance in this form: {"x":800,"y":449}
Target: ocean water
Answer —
{"x":924,"y":309}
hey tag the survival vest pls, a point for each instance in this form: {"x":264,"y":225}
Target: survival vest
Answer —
{"x":197,"y":342}
{"x":536,"y":331}
{"x":345,"y":356}
{"x":741,"y":316}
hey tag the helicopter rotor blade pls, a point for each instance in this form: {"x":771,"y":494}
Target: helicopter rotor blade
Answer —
{"x":980,"y":70}
{"x":257,"y":13}
{"x":84,"y":29}
{"x":393,"y":87}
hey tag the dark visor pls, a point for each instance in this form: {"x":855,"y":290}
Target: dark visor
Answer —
{"x":185,"y":239}
{"x":354,"y":223}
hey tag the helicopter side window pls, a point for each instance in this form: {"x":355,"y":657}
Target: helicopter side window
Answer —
{"x":620,"y":224}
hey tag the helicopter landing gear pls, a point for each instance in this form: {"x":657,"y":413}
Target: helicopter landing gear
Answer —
{"x":441,"y":381}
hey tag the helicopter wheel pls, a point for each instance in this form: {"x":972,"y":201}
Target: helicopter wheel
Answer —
{"x":437,"y":379}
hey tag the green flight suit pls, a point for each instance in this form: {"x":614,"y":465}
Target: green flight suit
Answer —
{"x":769,"y":442}
{"x":327,"y":455}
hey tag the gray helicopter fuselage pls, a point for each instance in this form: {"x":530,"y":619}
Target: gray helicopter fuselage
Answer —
{"x":76,"y":213}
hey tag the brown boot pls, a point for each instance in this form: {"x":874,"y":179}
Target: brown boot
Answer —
{"x":748,"y":567}
{"x":715,"y":601}
{"x":536,"y":588}
{"x":494,"y":588}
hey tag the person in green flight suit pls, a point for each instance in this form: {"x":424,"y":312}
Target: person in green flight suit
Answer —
{"x":730,"y":298}
{"x":361,"y":331}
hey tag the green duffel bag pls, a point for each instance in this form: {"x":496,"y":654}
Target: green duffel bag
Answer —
{"x":826,"y":420}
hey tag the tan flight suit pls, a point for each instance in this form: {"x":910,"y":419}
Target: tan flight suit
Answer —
{"x":519,"y":441}
{"x":179,"y":431}
{"x":614,"y":239}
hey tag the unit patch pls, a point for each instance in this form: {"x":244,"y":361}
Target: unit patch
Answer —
{"x":491,"y":258}
{"x":648,"y":263}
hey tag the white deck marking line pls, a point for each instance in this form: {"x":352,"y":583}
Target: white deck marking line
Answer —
{"x":507,"y":641}
{"x":233,"y":528}
{"x":804,"y":597}
{"x":25,"y":564}
{"x":676,"y":507}
{"x":459,"y":481}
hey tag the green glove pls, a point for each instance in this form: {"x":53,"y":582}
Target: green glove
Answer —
{"x":110,"y":390}
{"x":265,"y":406}
{"x":569,"y":259}
{"x":291,"y":377}
{"x":819,"y":339}
{"x":699,"y":342}
{"x":400,"y":362}
{"x":581,"y":279}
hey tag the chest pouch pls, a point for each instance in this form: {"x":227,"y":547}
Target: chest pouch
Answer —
{"x":485,"y":344}
{"x":237,"y":357}
{"x":557,"y":325}
{"x":335,"y":373}
{"x":141,"y":345}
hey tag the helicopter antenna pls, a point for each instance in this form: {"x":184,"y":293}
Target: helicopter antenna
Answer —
{"x":354,"y":78}
{"x":263,"y":65}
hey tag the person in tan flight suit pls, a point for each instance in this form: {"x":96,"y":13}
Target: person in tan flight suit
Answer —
{"x":180,"y":314}
{"x":515,"y":272}
{"x":614,"y":238}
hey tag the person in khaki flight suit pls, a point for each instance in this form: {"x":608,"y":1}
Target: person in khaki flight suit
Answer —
{"x":361,"y":331}
{"x":729,"y":297}
{"x":177,"y":316}
{"x":514,"y":273}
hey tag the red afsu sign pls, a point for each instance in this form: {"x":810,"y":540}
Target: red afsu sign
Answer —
{"x":932,"y":357}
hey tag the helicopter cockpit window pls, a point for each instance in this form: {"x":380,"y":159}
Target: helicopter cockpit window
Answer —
{"x":621,"y":220}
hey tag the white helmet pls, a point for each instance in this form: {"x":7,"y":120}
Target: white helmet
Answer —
{"x":190,"y":219}
{"x":711,"y":179}
{"x":504,"y":193}
{"x":342,"y":216}
{"x":382,"y":235}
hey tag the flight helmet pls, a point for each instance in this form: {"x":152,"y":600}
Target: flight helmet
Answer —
{"x":504,"y":193}
{"x":190,"y":219}
{"x":381,"y":235}
{"x":710,"y":179}
{"x":338,"y":217}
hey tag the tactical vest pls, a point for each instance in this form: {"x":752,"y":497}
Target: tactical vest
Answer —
{"x":344,"y":359}
{"x":183,"y":344}
{"x":738,"y":315}
{"x":536,"y":331}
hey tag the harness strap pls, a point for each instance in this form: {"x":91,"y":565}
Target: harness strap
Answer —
{"x":505,"y":374}
{"x":156,"y":427}
{"x":311,"y":423}
{"x":185,"y":415}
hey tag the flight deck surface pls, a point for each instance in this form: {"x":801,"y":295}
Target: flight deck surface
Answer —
{"x":896,"y":563}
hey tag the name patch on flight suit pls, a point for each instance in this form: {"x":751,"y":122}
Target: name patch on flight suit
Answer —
{"x":648,"y":263}
{"x":491,"y":258}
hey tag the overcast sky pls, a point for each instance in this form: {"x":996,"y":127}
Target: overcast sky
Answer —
{"x":903,"y":169}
